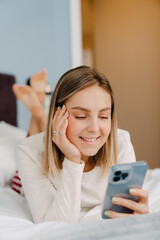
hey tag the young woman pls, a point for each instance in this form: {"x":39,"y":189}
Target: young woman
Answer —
{"x":64,"y":171}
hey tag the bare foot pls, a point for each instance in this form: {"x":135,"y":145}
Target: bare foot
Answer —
{"x":38,"y":82}
{"x":29,"y":98}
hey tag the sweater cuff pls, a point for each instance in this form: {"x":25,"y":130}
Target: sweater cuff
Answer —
{"x":74,"y":166}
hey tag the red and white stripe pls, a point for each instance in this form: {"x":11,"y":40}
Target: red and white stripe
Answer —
{"x":16,"y":183}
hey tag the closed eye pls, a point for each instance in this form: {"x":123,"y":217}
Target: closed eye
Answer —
{"x":80,"y":117}
{"x":84,"y":117}
{"x":104,"y":117}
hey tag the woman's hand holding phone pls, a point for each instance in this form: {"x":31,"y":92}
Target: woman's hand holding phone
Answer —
{"x":124,"y":194}
{"x":140,"y":207}
{"x":59,"y":124}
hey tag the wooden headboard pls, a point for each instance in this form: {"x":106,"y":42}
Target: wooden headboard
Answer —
{"x":8,"y":110}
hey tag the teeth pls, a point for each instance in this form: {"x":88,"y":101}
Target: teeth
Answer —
{"x":89,"y":139}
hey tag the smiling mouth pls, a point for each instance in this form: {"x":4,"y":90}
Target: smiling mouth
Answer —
{"x":89,"y":139}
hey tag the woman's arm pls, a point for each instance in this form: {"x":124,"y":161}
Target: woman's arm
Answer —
{"x":125,"y":150}
{"x":58,"y":200}
{"x":125,"y":155}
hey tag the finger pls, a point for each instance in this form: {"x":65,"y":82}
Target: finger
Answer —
{"x":113,"y":214}
{"x":53,"y":121}
{"x":142,"y":194}
{"x":61,"y":139}
{"x":135,"y":206}
{"x":61,"y":128}
{"x":61,"y":113}
{"x":56,"y":120}
{"x":59,"y":123}
{"x":65,"y":124}
{"x":55,"y":116}
{"x":58,"y":114}
{"x":124,"y":202}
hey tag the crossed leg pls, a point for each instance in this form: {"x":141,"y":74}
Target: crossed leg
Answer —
{"x":38,"y":82}
{"x":33,"y":97}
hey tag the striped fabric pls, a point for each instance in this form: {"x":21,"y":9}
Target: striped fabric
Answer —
{"x":17,"y":184}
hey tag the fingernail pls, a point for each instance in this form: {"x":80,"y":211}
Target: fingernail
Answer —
{"x":131,"y":190}
{"x":114,"y":199}
{"x":63,"y":106}
{"x":65,"y":120}
{"x":58,"y":107}
{"x":66,"y":113}
{"x":107,"y":213}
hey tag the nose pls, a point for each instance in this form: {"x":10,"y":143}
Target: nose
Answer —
{"x":93,"y":125}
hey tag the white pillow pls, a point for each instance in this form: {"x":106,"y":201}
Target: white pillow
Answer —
{"x":10,"y":137}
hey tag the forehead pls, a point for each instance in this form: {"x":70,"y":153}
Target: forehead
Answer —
{"x":89,"y":97}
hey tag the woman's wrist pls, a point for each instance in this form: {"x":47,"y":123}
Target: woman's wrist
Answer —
{"x":74,"y":160}
{"x":73,"y":165}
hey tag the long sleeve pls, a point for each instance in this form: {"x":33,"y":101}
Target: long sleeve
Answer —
{"x":125,"y":148}
{"x":57,"y":200}
{"x":64,"y":197}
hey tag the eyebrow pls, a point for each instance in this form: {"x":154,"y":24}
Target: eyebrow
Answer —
{"x":87,"y":110}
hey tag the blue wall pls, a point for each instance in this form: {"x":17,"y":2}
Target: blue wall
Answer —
{"x":34,"y":34}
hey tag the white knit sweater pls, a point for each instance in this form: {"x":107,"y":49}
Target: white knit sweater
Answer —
{"x":64,"y":198}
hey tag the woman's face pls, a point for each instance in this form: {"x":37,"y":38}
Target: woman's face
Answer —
{"x":89,"y":121}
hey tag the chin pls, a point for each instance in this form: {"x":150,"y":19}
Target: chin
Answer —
{"x":89,"y":153}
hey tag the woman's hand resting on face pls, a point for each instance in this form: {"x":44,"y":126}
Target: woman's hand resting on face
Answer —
{"x":59,"y":124}
{"x":140,"y":207}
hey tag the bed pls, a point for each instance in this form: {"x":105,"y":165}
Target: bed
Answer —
{"x":16,"y":221}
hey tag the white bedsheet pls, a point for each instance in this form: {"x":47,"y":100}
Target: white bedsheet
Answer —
{"x":10,"y":137}
{"x":152,"y":185}
{"x":16,"y":221}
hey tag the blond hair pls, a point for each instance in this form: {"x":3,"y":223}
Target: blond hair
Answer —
{"x":70,"y":83}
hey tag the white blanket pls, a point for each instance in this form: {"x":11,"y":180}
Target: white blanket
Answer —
{"x":16,"y":221}
{"x":10,"y":137}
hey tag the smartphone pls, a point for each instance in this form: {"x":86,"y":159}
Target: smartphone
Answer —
{"x":122,"y":177}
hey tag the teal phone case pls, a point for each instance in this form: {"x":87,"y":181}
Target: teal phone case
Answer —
{"x":122,"y":177}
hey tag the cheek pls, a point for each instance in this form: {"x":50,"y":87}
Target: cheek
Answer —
{"x":72,"y":128}
{"x":106,"y":128}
